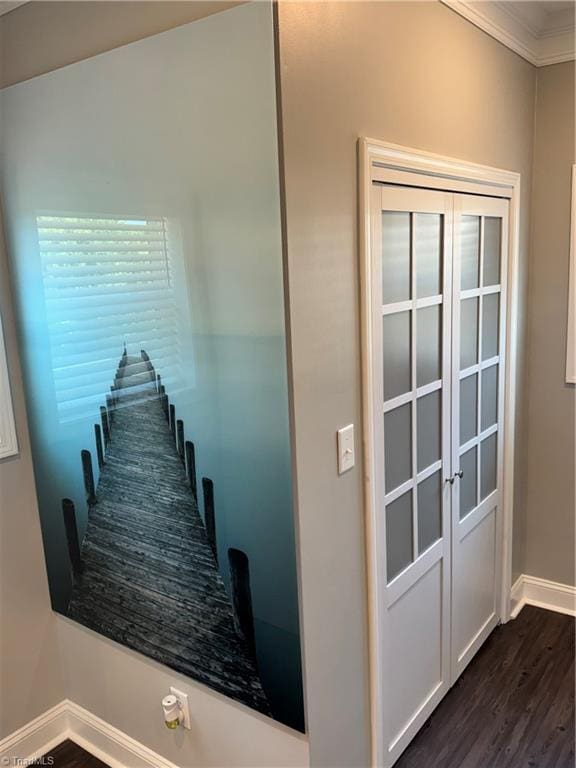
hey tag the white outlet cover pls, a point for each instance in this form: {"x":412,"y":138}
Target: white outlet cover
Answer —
{"x":184,"y":706}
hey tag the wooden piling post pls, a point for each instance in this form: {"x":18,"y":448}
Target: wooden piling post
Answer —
{"x":242,"y":597}
{"x":71,"y":528}
{"x":173,"y":421}
{"x":88,"y":476}
{"x":105,"y":425}
{"x":110,"y":408}
{"x":99,"y":446}
{"x":158,"y":383}
{"x":210,"y":514}
{"x":191,"y":467}
{"x":180,"y":439}
{"x":144,"y":355}
{"x":121,"y":371}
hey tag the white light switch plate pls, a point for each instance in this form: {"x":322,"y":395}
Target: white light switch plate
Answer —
{"x":345,"y":448}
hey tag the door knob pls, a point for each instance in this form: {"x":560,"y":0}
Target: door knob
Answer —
{"x":460,"y":474}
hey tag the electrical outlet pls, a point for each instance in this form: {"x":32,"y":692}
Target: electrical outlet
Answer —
{"x":184,"y":706}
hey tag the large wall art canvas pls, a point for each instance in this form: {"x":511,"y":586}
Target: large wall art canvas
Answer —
{"x":141,"y":196}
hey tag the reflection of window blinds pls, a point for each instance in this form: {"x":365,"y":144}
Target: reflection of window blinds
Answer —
{"x":107,"y":282}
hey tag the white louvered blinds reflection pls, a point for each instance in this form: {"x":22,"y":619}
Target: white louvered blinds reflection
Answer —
{"x":107,"y":282}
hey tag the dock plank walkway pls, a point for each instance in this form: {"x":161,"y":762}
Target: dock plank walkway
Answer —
{"x":150,"y":580}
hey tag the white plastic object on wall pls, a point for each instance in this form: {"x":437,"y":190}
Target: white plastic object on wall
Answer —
{"x":176,"y":709}
{"x":346,"y":458}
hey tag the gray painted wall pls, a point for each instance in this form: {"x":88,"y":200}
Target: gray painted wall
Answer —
{"x":549,"y":533}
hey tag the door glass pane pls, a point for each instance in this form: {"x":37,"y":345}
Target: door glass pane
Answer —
{"x":427,"y":247}
{"x":398,"y":535}
{"x":488,"y":465}
{"x":428,"y":423}
{"x":470,"y":252}
{"x":492,"y":246}
{"x":429,"y":511}
{"x":489,"y":397}
{"x":468,"y":482}
{"x":490,"y":325}
{"x":395,"y":256}
{"x":468,"y":408}
{"x":396,"y":354}
{"x":468,"y":333}
{"x":428,"y":345}
{"x":398,"y":446}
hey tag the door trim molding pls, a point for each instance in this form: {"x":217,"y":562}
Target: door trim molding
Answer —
{"x":383,"y":161}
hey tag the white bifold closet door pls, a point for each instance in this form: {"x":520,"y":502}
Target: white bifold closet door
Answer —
{"x":437,"y":379}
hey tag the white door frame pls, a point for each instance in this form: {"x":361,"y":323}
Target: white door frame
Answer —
{"x":382,"y":161}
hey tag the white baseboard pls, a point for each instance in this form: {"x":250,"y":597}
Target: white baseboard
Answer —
{"x":70,"y":721}
{"x":529,"y":590}
{"x":36,"y":737}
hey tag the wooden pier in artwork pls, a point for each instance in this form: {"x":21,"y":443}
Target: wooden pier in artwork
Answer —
{"x":146,"y":574}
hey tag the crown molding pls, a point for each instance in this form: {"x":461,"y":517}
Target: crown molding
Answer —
{"x":503,"y":23}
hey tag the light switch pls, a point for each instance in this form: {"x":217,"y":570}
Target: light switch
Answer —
{"x":345,"y":448}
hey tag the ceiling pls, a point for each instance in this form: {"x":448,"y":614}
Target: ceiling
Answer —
{"x":6,"y":6}
{"x":541,"y":31}
{"x":543,"y":18}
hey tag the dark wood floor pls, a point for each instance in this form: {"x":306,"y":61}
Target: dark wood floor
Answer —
{"x":70,"y":755}
{"x":514,"y":705}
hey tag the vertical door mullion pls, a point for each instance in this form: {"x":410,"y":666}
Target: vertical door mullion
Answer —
{"x":447,"y":359}
{"x":456,"y":341}
{"x":454,"y":488}
{"x":446,"y":426}
{"x":414,"y":382}
{"x":479,"y":361}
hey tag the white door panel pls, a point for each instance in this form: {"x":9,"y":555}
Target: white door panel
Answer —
{"x":417,"y":615}
{"x":437,"y":374}
{"x":411,"y":296}
{"x":474,"y":595}
{"x":478,"y":352}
